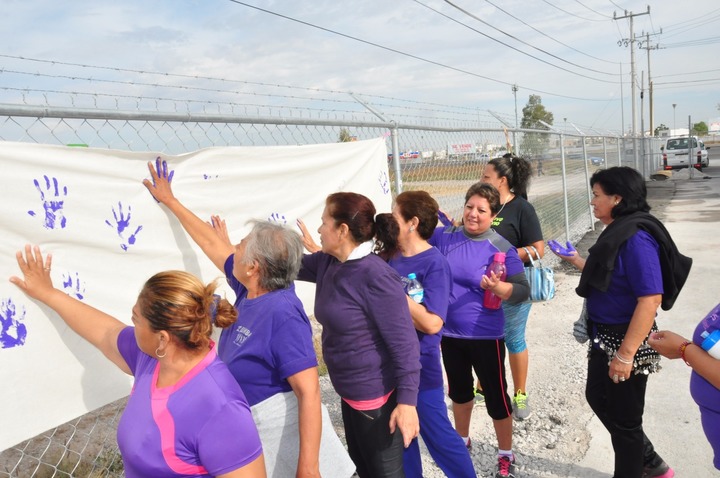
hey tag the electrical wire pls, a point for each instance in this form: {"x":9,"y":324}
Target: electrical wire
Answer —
{"x":425,"y":60}
{"x":475,"y":17}
{"x":572,"y":14}
{"x":594,"y":11}
{"x":546,"y":35}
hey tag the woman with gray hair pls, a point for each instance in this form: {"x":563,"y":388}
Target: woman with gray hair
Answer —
{"x":269,"y":350}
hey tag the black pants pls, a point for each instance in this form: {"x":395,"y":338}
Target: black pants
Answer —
{"x":375,"y":451}
{"x":620,"y":406}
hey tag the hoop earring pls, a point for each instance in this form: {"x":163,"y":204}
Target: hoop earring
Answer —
{"x":157,"y":353}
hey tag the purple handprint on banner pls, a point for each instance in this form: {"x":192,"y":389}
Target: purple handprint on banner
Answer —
{"x":122,"y":223}
{"x":277,"y":218}
{"x":53,"y":201}
{"x":12,"y":329}
{"x":384,"y":182}
{"x":73,"y":286}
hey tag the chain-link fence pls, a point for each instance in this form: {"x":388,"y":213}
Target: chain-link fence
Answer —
{"x":441,"y":160}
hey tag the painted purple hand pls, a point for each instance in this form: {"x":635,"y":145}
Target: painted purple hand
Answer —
{"x":277,"y":218}
{"x":122,"y":222}
{"x":73,"y":286}
{"x":384,"y":182}
{"x":161,"y":168}
{"x":558,"y":249}
{"x":12,"y":329}
{"x":53,"y":200}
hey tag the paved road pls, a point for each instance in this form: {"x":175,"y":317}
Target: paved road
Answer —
{"x":672,"y":420}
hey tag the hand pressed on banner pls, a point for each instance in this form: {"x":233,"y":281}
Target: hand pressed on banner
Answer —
{"x":121,"y":223}
{"x":53,"y":199}
{"x":12,"y":329}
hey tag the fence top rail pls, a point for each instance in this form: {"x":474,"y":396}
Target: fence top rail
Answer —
{"x":33,"y":111}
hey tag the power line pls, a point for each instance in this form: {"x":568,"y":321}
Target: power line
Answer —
{"x":572,"y":14}
{"x":514,"y":38}
{"x":546,"y":35}
{"x":698,"y":42}
{"x":432,"y":62}
{"x":594,"y":11}
{"x":687,"y":73}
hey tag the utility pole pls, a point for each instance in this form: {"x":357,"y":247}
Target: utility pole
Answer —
{"x":651,"y":106}
{"x":515,"y":147}
{"x":631,"y":42}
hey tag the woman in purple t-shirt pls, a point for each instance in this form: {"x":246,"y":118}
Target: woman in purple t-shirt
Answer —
{"x":705,"y":378}
{"x":186,"y":415}
{"x":270,"y":350}
{"x":416,"y":213}
{"x":633,"y":268}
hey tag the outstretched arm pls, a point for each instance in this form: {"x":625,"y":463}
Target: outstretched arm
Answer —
{"x":97,"y":327}
{"x":567,"y":253}
{"x":308,"y":241}
{"x":201,"y":232}
{"x":669,"y":345}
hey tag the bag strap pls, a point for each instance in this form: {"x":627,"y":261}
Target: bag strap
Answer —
{"x":527,"y":251}
{"x":532,"y":261}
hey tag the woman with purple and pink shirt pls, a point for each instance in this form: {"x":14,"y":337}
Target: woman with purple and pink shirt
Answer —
{"x":186,"y":415}
{"x":368,"y":340}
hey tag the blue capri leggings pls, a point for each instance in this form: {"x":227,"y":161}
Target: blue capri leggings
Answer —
{"x":516,"y":317}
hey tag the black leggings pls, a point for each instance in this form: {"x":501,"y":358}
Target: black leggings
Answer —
{"x":375,"y":451}
{"x":620,"y":406}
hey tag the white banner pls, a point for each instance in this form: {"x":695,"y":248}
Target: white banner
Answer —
{"x":89,"y":208}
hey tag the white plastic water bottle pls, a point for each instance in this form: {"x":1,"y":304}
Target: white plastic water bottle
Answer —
{"x":415,"y":289}
{"x":711,"y":343}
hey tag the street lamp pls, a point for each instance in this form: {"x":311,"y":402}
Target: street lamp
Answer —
{"x":674,"y":105}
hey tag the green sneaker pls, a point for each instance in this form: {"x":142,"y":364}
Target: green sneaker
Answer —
{"x":521,"y":406}
{"x":479,"y":396}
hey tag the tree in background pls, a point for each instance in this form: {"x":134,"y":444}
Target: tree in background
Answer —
{"x":535,"y":144}
{"x":660,"y":128}
{"x":700,"y":129}
{"x":345,"y":136}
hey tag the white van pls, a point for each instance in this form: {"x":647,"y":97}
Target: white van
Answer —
{"x":675,"y":153}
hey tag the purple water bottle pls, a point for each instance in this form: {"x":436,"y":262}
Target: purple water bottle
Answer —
{"x":491,"y":301}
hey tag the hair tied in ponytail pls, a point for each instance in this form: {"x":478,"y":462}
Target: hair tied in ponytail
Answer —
{"x":214,"y":307}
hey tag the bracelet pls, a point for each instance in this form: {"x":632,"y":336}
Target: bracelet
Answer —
{"x":683,"y":346}
{"x":622,"y":359}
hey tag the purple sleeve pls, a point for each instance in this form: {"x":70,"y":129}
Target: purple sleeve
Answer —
{"x":436,"y":283}
{"x":292,"y":345}
{"x":388,"y":309}
{"x":516,"y":276}
{"x":229,"y":440}
{"x":309,"y":269}
{"x":128,"y":347}
{"x":641,"y":259}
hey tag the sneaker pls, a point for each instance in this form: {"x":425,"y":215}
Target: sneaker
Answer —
{"x":521,"y":406}
{"x":660,"y":471}
{"x":479,"y":396}
{"x":468,"y":444}
{"x":505,"y":467}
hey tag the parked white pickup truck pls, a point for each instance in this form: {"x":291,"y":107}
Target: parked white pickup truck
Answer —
{"x":676,"y":150}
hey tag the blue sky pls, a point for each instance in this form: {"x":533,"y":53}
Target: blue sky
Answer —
{"x":415,"y":53}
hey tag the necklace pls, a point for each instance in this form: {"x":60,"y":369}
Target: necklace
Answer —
{"x":507,"y":198}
